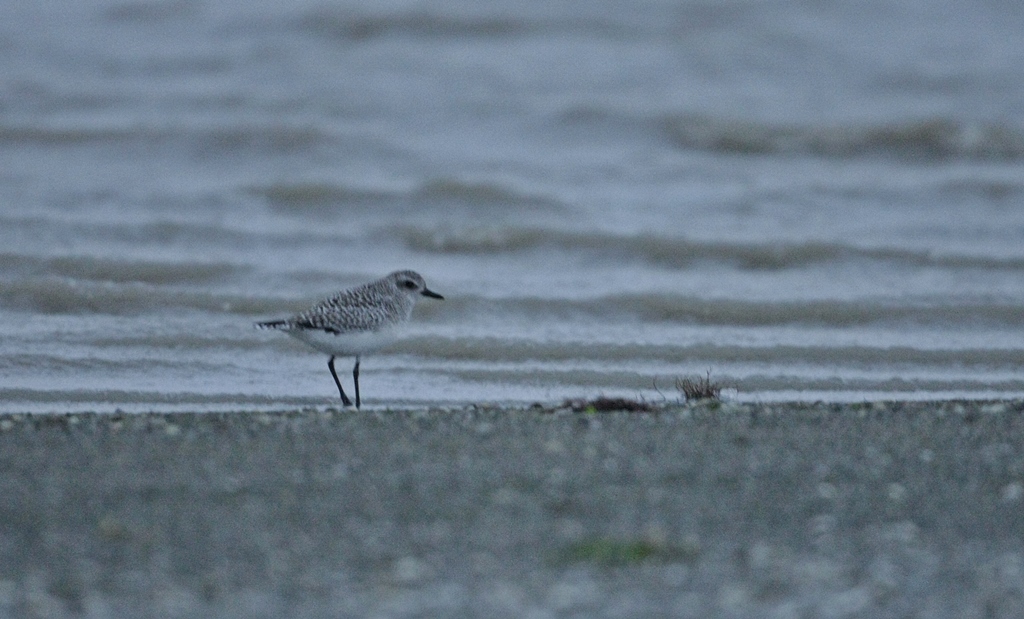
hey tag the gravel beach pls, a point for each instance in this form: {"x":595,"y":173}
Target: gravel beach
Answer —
{"x":706,"y":510}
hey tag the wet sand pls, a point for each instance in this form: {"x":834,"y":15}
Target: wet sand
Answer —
{"x":719,"y":510}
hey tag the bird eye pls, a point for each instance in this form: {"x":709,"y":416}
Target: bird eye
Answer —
{"x":409,"y":284}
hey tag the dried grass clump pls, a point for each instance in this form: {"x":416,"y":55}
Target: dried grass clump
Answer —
{"x":699,"y":389}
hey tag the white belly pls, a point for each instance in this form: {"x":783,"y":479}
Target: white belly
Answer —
{"x":345,"y":344}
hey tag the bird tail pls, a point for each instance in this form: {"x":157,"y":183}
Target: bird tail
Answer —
{"x":273,"y":324}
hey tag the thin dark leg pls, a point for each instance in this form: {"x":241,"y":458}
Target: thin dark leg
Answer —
{"x":355,"y":378}
{"x":344,"y":398}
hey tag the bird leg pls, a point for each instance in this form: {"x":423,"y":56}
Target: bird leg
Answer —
{"x":344,"y":398}
{"x":355,"y":378}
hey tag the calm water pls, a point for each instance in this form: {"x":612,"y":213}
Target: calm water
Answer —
{"x":810,"y":199}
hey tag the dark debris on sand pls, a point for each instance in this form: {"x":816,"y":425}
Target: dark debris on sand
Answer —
{"x":607,"y":405}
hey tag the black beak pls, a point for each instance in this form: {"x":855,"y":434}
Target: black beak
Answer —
{"x":430,"y":293}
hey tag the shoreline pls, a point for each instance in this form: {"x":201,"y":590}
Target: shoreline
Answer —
{"x":709,"y":509}
{"x":725,"y":405}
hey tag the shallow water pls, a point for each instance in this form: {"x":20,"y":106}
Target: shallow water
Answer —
{"x":809,"y":201}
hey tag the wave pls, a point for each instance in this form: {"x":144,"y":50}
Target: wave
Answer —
{"x":152,"y":11}
{"x":57,"y":295}
{"x":482,"y":239}
{"x":732,"y":312}
{"x":689,"y":310}
{"x":318,"y":198}
{"x":321,"y":197}
{"x":504,"y":350}
{"x":480,"y":193}
{"x":239,"y":235}
{"x":90,"y":268}
{"x":347,"y":25}
{"x":866,"y":389}
{"x":336,"y":24}
{"x":105,"y":399}
{"x":66,"y":296}
{"x":263,"y":138}
{"x":47,"y":363}
{"x":744,"y":387}
{"x":679,"y":253}
{"x":927,"y":139}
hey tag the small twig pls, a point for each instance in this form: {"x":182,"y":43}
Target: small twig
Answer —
{"x":664,"y":398}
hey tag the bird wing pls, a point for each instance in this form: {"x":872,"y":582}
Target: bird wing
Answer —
{"x":345,"y":312}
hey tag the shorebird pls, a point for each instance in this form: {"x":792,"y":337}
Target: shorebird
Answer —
{"x":357,"y":320}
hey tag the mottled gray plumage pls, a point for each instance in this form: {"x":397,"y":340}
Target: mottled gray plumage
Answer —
{"x":356,"y":320}
{"x":370,"y":307}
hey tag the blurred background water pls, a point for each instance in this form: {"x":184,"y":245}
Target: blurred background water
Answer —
{"x":809,"y":199}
